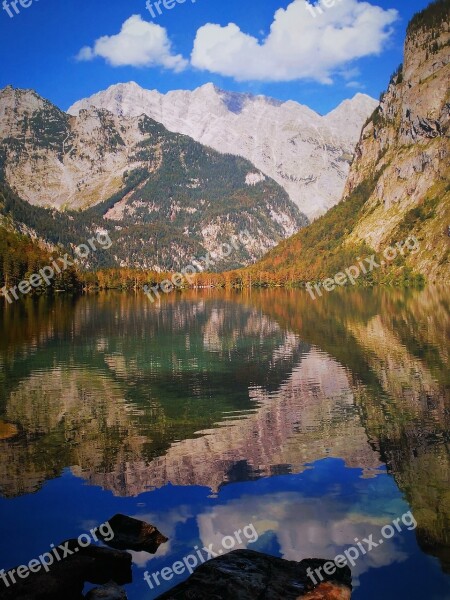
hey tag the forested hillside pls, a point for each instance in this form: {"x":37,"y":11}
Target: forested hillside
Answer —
{"x":20,"y":257}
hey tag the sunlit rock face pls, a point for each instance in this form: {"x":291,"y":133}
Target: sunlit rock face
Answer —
{"x":407,"y":144}
{"x":306,"y":153}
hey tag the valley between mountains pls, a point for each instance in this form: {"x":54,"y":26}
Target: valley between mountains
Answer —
{"x":171,"y":177}
{"x":115,"y":163}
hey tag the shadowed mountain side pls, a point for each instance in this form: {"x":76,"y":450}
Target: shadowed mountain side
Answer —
{"x":63,"y":178}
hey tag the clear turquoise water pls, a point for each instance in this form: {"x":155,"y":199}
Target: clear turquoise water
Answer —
{"x":317,"y":422}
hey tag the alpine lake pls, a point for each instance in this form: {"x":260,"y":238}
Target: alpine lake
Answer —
{"x":319,"y":422}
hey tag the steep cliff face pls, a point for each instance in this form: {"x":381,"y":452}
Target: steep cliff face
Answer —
{"x":398,"y":184}
{"x":51,"y":159}
{"x":406,"y":142}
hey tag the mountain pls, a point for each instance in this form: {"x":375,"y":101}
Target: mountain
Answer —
{"x":398,"y":184}
{"x":307,"y":154}
{"x":161,"y":196}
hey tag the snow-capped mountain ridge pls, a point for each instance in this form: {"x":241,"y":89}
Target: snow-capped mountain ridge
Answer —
{"x":162,"y":196}
{"x":306,"y":153}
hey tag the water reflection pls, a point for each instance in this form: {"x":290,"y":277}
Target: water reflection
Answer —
{"x":211,"y":389}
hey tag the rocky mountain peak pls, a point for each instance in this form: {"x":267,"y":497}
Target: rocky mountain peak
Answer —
{"x":136,"y":179}
{"x":308,"y":155}
{"x":15,"y":101}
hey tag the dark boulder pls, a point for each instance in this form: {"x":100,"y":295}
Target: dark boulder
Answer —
{"x":66,"y":578}
{"x":110,"y":591}
{"x":60,"y":582}
{"x":246,"y":575}
{"x":102,"y":565}
{"x":132,"y":534}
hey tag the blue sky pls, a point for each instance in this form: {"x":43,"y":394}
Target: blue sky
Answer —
{"x":312,"y":60}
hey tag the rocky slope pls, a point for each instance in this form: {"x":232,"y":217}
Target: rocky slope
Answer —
{"x":136,"y":180}
{"x":407,"y":144}
{"x":246,"y":575}
{"x":307,"y":154}
{"x":398,"y":184}
{"x":51,"y":159}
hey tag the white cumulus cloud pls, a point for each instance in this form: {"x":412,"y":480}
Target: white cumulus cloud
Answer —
{"x":138,"y":44}
{"x":303,"y":43}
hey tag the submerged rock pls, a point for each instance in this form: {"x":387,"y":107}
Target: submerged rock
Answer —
{"x":102,"y":565}
{"x":66,"y":579}
{"x":110,"y":591}
{"x":246,"y":575}
{"x":132,"y":534}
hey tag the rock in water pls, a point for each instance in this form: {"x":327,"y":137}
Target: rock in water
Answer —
{"x":66,"y":578}
{"x":110,"y":591}
{"x":246,"y":575}
{"x":103,"y":565}
{"x":132,"y":534}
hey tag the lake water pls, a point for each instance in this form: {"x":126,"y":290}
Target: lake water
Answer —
{"x":318,"y":422}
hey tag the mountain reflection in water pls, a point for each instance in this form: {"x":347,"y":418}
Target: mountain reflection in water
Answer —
{"x":223,"y":389}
